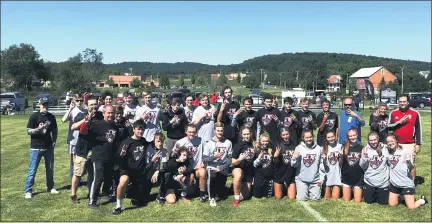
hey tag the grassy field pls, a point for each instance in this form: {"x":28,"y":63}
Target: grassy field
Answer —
{"x":47,"y":207}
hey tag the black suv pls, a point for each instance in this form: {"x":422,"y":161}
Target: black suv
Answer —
{"x":419,"y":101}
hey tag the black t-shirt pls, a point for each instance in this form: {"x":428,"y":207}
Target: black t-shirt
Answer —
{"x":293,"y":126}
{"x":132,"y":153}
{"x":269,"y":120}
{"x":379,"y":125}
{"x":331,"y":125}
{"x":228,"y":113}
{"x":173,"y":165}
{"x":42,"y":140}
{"x":265,"y":169}
{"x":246,"y":148}
{"x":283,"y":171}
{"x":102,"y":136}
{"x":351,"y":172}
{"x":306,"y":120}
{"x":246,"y":118}
{"x":123,"y":131}
{"x":175,"y":130}
{"x":82,"y":146}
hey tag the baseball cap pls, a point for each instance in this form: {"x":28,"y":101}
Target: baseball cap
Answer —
{"x":43,"y":100}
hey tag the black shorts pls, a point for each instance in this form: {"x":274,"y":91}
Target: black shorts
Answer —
{"x":403,"y":191}
{"x":247,"y":175}
{"x":375,"y":194}
{"x":133,"y":175}
{"x":285,"y":182}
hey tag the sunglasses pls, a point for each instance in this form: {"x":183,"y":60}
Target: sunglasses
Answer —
{"x":79,"y":100}
{"x":348,"y":104}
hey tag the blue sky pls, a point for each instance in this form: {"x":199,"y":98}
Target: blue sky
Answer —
{"x":217,"y":32}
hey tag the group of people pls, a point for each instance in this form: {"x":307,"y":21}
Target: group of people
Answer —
{"x":269,"y":152}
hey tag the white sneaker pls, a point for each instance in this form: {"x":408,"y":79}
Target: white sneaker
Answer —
{"x":28,"y":195}
{"x":54,"y":191}
{"x":213,"y":202}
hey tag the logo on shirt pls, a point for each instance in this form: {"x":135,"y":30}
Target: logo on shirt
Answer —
{"x":220,"y":149}
{"x":266,"y":119}
{"x":189,"y":115}
{"x":266,"y":160}
{"x":138,"y":152}
{"x":110,"y":135}
{"x":353,"y":158}
{"x":382,"y":125}
{"x":306,"y":121}
{"x":231,"y":113}
{"x":394,"y":160}
{"x":286,"y":156}
{"x":249,"y":121}
{"x":150,"y":116}
{"x":309,"y":159}
{"x":376,"y":161}
{"x":249,"y":153}
{"x":287,"y":122}
{"x":330,"y":124}
{"x":193,"y":150}
{"x":333,"y":158}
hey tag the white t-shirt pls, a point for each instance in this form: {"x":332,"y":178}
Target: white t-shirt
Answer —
{"x":206,"y":126}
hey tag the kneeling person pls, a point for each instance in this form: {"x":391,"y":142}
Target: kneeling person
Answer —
{"x":179,"y":171}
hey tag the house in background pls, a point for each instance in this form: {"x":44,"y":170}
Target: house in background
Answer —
{"x":232,"y":76}
{"x":334,"y":83}
{"x":119,"y":81}
{"x":372,"y":76}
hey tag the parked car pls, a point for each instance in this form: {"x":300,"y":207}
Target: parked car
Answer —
{"x":51,"y":100}
{"x":156,"y":97}
{"x":257,"y":99}
{"x":419,"y":101}
{"x":14,"y":101}
{"x":256,"y":91}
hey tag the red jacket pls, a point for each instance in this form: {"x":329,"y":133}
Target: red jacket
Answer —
{"x":214,"y":99}
{"x":411,"y":130}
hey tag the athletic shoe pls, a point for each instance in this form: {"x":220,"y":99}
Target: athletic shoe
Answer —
{"x":213,"y":202}
{"x":92,"y":206}
{"x":74,"y":199}
{"x":117,"y":211}
{"x":160,"y":200}
{"x":54,"y":191}
{"x":184,"y":198}
{"x":235,"y":203}
{"x":28,"y":195}
{"x":203,"y":199}
{"x":424,"y":198}
{"x":241,"y":197}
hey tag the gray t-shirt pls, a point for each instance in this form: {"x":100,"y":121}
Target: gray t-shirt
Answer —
{"x":225,"y":148}
{"x":73,"y":135}
{"x":152,"y":119}
{"x":333,"y":170}
{"x":206,"y":126}
{"x":400,"y":171}
{"x":376,"y":167}
{"x":309,"y":165}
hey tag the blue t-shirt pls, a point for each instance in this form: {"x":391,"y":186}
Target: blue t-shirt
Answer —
{"x":347,"y":122}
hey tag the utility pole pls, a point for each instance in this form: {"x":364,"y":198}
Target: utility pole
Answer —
{"x":261,"y":78}
{"x":402,"y":80}
{"x":298,"y":83}
{"x":280,"y":80}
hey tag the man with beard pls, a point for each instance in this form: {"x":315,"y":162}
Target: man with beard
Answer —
{"x":307,"y":118}
{"x":350,"y":119}
{"x":42,"y":128}
{"x":225,"y":113}
{"x":267,"y":119}
{"x":82,"y":162}
{"x":102,"y":135}
{"x":327,"y":121}
{"x":245,"y":116}
{"x":406,"y":123}
{"x":290,"y":120}
{"x":378,"y":122}
{"x":152,"y":116}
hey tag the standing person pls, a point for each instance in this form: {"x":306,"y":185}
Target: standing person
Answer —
{"x":378,"y":122}
{"x":174,"y":122}
{"x":214,"y":98}
{"x":132,"y":160}
{"x":75,"y":108}
{"x":129,"y":107}
{"x":332,"y":154}
{"x":195,"y":145}
{"x":290,"y":120}
{"x":284,"y":177}
{"x":357,"y":101}
{"x":244,"y":117}
{"x":203,"y":118}
{"x":225,"y":113}
{"x":242,"y":161}
{"x":189,"y":108}
{"x":307,"y":118}
{"x":217,"y":157}
{"x":124,"y":130}
{"x":351,"y":172}
{"x":42,"y":128}
{"x":374,"y":161}
{"x":263,"y":163}
{"x":310,"y":170}
{"x":102,"y":135}
{"x":406,"y":123}
{"x":107,"y":99}
{"x":152,"y":116}
{"x":400,"y":180}
{"x":349,"y":119}
{"x":83,"y":163}
{"x":268,"y":119}
{"x":327,"y":121}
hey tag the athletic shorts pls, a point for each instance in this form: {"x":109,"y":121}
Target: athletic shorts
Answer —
{"x":409,"y":148}
{"x":247,"y":175}
{"x":71,"y":149}
{"x":403,"y":191}
{"x":285,"y":182}
{"x":79,"y":166}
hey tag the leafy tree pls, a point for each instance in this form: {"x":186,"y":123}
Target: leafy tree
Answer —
{"x":135,"y":83}
{"x":222,"y":80}
{"x":181,"y":81}
{"x":110,"y":82}
{"x":238,"y":79}
{"x":251,"y":81}
{"x":164,"y":81}
{"x":193,"y":77}
{"x":21,"y":65}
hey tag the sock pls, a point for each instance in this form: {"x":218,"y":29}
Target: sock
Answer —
{"x":237,"y":197}
{"x":422,"y":201}
{"x":119,"y":203}
{"x":183,"y":194}
{"x":202,"y":193}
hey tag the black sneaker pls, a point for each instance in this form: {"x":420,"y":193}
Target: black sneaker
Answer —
{"x":424,"y":198}
{"x":92,"y":206}
{"x":203,"y":199}
{"x":160,"y":200}
{"x":74,"y":199}
{"x":117,"y":211}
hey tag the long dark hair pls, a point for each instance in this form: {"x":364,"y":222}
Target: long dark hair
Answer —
{"x":326,"y":143}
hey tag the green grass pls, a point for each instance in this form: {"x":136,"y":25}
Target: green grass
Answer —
{"x":47,"y":207}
